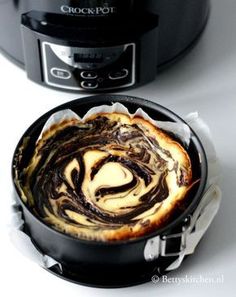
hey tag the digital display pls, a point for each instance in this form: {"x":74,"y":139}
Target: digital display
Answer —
{"x":91,"y":58}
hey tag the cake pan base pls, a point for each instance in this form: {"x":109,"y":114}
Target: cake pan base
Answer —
{"x":101,"y":281}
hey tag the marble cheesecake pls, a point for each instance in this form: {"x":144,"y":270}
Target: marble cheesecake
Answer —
{"x":109,"y":178}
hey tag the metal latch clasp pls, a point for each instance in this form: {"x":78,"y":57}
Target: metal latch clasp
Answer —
{"x":193,"y":228}
{"x":183,"y":240}
{"x":157,"y":246}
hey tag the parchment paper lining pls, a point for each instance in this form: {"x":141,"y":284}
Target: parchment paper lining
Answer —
{"x":180,"y":130}
{"x":23,"y":242}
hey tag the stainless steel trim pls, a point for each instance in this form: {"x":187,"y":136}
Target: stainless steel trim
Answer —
{"x":45,"y":72}
{"x":152,"y":249}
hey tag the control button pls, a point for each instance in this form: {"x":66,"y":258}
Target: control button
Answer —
{"x":89,"y":85}
{"x":89,"y":75}
{"x":119,"y":74}
{"x":60,"y":73}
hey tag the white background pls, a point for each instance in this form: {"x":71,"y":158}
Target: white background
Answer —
{"x":205,"y":81}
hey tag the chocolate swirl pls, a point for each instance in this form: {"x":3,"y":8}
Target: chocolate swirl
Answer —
{"x":108,"y":178}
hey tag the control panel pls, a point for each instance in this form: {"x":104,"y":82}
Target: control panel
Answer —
{"x":89,"y":69}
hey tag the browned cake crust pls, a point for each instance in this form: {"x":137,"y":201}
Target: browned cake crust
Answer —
{"x":109,"y":178}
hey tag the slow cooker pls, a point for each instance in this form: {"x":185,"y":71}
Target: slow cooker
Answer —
{"x":98,"y":45}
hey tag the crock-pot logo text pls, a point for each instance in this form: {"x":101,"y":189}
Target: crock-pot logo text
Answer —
{"x":103,"y":10}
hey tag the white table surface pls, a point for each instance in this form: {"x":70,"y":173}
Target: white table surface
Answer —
{"x":205,"y":81}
